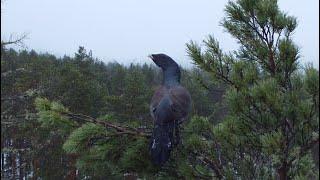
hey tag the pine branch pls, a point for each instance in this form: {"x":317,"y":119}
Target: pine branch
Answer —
{"x":121,"y":130}
{"x":212,"y":164}
{"x":304,"y":149}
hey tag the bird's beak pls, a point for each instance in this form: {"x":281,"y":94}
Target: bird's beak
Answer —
{"x":155,"y":59}
{"x":150,"y":56}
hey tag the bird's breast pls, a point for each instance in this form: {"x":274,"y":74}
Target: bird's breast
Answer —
{"x":177,"y":106}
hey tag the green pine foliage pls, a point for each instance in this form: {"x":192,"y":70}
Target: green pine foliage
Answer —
{"x":80,"y":138}
{"x":49,"y":114}
{"x":102,"y":152}
{"x":273,"y":119}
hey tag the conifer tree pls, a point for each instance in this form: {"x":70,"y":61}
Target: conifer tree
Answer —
{"x":274,"y":119}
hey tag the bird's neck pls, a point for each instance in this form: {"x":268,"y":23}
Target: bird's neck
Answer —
{"x":171,"y":76}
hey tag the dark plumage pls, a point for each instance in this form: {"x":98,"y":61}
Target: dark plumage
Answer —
{"x":169,"y":107}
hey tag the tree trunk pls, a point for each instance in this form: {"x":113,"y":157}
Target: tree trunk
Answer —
{"x":72,"y":173}
{"x":282,"y":172}
{"x":35,"y":165}
{"x":14,"y":165}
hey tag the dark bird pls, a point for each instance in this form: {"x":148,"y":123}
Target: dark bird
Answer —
{"x":169,"y":107}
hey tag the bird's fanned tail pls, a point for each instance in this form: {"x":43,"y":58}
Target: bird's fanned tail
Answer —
{"x":164,"y":138}
{"x":161,"y":143}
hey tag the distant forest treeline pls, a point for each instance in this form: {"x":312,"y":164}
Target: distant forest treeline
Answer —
{"x":85,"y":85}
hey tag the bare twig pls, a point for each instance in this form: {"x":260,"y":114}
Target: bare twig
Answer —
{"x":17,"y":41}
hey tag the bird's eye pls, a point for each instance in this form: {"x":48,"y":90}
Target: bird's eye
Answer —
{"x":154,"y":109}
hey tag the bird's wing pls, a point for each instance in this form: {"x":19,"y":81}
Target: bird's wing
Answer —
{"x":181,"y":101}
{"x":156,"y":98}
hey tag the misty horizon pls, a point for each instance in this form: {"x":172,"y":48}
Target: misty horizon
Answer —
{"x":128,"y":31}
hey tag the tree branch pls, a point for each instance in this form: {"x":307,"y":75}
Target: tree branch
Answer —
{"x":212,"y":164}
{"x":17,"y":41}
{"x":304,"y":150}
{"x":120,"y":129}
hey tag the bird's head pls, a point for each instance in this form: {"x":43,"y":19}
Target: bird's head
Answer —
{"x":163,"y":61}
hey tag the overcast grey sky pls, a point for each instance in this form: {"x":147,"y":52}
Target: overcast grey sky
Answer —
{"x":129,"y":30}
